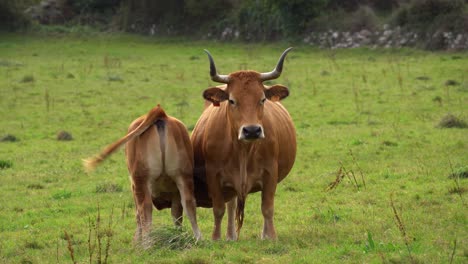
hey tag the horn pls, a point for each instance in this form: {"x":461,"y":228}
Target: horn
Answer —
{"x":278,"y":69}
{"x":214,"y":74}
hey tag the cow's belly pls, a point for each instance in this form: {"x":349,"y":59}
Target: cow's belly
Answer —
{"x":162,"y":189}
{"x":233,"y":183}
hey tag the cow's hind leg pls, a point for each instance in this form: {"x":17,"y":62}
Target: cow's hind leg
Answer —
{"x":176,"y":209}
{"x":144,"y":208}
{"x":137,"y":236}
{"x":188,"y":202}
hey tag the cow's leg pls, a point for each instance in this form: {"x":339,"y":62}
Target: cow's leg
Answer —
{"x":188,"y":202}
{"x":231,"y":226}
{"x":219,"y":207}
{"x":144,"y":207}
{"x":268,"y":204}
{"x":176,"y":209}
{"x":137,"y":236}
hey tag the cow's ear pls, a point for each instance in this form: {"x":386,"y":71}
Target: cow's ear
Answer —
{"x":276,"y":92}
{"x":215,"y":95}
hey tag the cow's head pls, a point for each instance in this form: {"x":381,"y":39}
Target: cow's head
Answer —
{"x":246,"y":95}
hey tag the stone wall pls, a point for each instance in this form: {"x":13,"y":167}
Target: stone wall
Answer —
{"x":388,"y":38}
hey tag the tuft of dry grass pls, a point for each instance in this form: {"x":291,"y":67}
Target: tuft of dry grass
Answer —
{"x":64,"y":136}
{"x":108,"y":187}
{"x":171,"y":237}
{"x":27,"y":78}
{"x":451,"y":121}
{"x":8,"y":138}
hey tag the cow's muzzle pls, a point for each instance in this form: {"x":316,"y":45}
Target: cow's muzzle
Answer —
{"x":251,"y":132}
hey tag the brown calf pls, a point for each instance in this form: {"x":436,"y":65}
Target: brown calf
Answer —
{"x":160,"y":162}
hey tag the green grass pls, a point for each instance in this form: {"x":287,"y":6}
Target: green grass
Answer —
{"x":370,"y":121}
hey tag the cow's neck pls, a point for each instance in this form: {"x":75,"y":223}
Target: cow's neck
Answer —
{"x":246,"y":153}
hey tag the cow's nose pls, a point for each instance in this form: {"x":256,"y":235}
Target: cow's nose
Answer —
{"x":251,"y":132}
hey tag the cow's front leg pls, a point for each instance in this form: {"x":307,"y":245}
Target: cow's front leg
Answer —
{"x":219,"y":207}
{"x":231,"y":226}
{"x":268,"y":205}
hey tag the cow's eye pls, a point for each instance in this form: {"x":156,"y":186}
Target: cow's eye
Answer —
{"x":262,"y":101}
{"x":232,"y":102}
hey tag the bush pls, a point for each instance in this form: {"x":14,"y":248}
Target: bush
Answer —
{"x":12,"y":16}
{"x":80,"y":6}
{"x":297,"y":14}
{"x":363,"y":18}
{"x":431,"y":15}
{"x":206,"y":10}
{"x":252,"y":23}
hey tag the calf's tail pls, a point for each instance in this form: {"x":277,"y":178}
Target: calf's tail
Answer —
{"x":153,"y":115}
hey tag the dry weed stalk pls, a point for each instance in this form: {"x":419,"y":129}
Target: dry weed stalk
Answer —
{"x":47,"y":99}
{"x":109,"y":235}
{"x":123,"y":211}
{"x":99,"y":234}
{"x":401,"y":227}
{"x":356,"y":93}
{"x":57,"y":251}
{"x":339,"y":177}
{"x":70,"y":246}
{"x":91,"y":247}
{"x":358,"y":167}
{"x":453,"y":251}
{"x":353,"y":180}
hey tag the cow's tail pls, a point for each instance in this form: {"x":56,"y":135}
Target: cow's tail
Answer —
{"x":240,"y":213}
{"x":153,"y":115}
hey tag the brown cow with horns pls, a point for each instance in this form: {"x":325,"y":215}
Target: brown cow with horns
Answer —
{"x":244,"y":142}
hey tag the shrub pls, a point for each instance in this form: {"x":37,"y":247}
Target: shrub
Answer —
{"x":201,"y":11}
{"x":431,"y":15}
{"x":363,"y":18}
{"x":251,"y":22}
{"x":12,"y":16}
{"x":297,"y":14}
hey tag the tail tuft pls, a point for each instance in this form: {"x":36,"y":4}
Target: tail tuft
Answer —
{"x":91,"y":163}
{"x":240,"y":214}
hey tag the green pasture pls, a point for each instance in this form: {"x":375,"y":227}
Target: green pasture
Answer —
{"x":377,"y":178}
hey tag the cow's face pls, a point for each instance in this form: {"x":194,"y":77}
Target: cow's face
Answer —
{"x":245,"y":97}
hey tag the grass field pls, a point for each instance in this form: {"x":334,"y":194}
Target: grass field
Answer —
{"x":376,"y":179}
